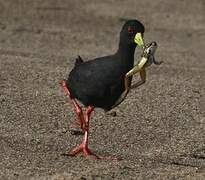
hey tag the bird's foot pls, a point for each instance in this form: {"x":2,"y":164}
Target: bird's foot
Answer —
{"x":84,"y":149}
{"x":87,"y":153}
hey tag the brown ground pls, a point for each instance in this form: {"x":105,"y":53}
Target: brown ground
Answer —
{"x":159,"y":130}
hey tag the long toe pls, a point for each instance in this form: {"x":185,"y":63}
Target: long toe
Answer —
{"x":81,"y":148}
{"x":78,"y":149}
{"x":89,"y":154}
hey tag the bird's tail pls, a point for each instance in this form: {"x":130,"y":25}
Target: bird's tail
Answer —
{"x":78,"y":61}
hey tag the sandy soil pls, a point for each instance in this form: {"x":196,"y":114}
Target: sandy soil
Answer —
{"x":159,"y":130}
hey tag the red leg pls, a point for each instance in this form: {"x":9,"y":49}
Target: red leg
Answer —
{"x":77,"y":107}
{"x":83,"y":147}
{"x":84,"y":122}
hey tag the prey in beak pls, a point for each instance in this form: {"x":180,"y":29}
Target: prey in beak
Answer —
{"x":147,"y":58}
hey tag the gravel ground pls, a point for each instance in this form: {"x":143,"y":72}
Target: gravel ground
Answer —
{"x":159,"y":130}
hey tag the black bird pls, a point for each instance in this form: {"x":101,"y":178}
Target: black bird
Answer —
{"x":100,"y":82}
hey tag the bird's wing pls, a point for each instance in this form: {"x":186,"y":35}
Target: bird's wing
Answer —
{"x":95,"y":75}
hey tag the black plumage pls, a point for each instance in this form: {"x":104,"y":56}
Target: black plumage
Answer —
{"x":100,"y":82}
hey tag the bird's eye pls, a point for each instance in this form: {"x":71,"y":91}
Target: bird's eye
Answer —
{"x":130,"y":30}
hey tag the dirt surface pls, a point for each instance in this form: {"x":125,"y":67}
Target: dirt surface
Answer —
{"x":159,"y":130}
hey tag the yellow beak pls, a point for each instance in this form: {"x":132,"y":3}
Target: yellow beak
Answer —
{"x":139,"y":39}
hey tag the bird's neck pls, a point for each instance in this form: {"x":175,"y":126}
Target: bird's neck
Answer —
{"x":125,"y":53}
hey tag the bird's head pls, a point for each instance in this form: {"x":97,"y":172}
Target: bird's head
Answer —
{"x":132,"y":33}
